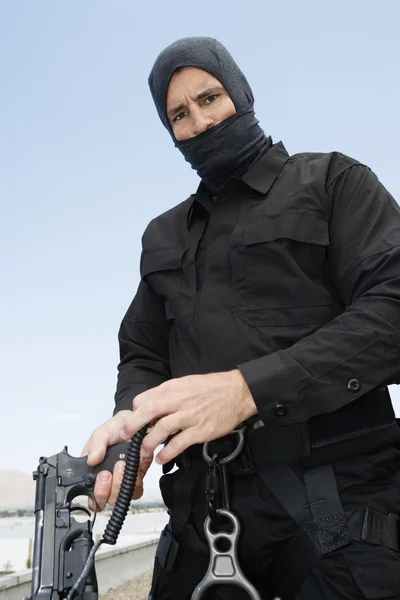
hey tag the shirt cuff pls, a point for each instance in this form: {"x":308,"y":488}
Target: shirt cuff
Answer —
{"x":271,"y":384}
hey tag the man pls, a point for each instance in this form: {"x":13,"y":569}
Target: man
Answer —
{"x":270,"y":297}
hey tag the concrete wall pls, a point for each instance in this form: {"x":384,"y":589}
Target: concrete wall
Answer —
{"x":113,"y":567}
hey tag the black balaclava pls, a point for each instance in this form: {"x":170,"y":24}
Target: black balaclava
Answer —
{"x":233,"y":145}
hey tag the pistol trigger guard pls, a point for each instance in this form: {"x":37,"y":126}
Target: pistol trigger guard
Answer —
{"x":79,"y":507}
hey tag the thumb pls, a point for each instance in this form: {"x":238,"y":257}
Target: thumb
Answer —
{"x":139,"y":488}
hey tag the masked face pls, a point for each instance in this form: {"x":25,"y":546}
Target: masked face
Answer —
{"x":206,"y":103}
{"x":196,"y":101}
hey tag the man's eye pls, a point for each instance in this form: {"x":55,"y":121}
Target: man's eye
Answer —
{"x":211,"y":98}
{"x":179,"y":116}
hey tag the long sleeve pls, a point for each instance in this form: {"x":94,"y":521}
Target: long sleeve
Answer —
{"x":143,"y":342}
{"x":359,"y":349}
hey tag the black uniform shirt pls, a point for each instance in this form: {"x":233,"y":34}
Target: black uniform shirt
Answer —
{"x":292,"y":275}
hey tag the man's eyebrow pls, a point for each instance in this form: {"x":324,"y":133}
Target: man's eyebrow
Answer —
{"x":208,"y":92}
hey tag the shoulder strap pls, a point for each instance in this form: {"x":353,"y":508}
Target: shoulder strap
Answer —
{"x":316,"y":507}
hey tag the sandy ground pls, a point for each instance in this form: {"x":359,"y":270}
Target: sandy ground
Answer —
{"x":136,"y":589}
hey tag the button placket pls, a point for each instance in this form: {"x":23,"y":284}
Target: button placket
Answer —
{"x":189,"y":279}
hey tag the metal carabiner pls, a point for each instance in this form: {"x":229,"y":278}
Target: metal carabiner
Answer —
{"x":224,"y":566}
{"x":227,"y":459}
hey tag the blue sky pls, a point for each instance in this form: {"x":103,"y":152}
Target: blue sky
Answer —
{"x":86,"y":163}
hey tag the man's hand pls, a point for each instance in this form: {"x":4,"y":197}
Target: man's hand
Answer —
{"x":200,"y":407}
{"x":107,"y":485}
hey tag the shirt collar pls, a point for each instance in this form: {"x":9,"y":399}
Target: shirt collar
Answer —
{"x":200,"y":200}
{"x":260,"y":177}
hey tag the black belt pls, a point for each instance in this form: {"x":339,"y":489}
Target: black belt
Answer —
{"x":329,"y":436}
{"x":192,"y":456}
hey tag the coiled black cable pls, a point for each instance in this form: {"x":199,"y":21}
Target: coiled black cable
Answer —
{"x":120,"y":510}
{"x":126,"y":490}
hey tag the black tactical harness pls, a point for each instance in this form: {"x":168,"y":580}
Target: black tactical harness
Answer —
{"x":316,"y":507}
{"x":314,"y":503}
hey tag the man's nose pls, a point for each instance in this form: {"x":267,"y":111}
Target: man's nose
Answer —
{"x":201,"y":123}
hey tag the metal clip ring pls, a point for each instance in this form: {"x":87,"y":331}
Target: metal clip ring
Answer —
{"x":230,"y":457}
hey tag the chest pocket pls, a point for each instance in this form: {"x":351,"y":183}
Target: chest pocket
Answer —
{"x":277,"y":267}
{"x":162,"y":269}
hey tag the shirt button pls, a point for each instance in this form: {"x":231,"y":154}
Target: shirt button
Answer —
{"x":353,"y":385}
{"x":280,"y":410}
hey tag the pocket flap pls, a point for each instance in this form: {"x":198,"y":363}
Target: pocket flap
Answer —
{"x":162,"y":259}
{"x":289,"y":316}
{"x":302,"y":226}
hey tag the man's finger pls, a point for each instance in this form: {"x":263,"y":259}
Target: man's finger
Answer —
{"x":85,"y":449}
{"x":135,"y":421}
{"x":159,"y":433}
{"x":96,"y":447}
{"x":177,"y":445}
{"x":111,"y":432}
{"x":102,"y":488}
{"x":117,"y":480}
{"x":149,"y":407}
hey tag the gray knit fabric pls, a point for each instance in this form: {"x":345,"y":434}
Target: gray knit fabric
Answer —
{"x":204,"y":53}
{"x":233,"y":145}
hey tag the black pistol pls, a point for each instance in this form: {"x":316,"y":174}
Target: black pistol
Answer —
{"x":61,"y":543}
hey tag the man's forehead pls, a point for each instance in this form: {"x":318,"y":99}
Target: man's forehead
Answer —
{"x":191,"y":75}
{"x":193,"y":82}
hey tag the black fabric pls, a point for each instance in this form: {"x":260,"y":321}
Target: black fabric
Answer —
{"x":297,"y":293}
{"x":376,"y":528}
{"x":361,"y":569}
{"x":293,"y":565}
{"x":330,"y":529}
{"x":302,"y":551}
{"x":229,"y":148}
{"x":167,"y":550}
{"x":316,"y":508}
